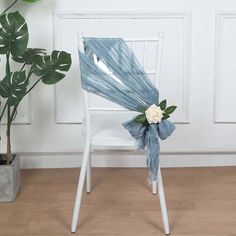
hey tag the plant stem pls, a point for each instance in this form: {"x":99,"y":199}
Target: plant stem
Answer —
{"x":33,"y":85}
{"x":13,"y":113}
{"x":4,"y":108}
{"x":8,"y":157}
{"x":23,"y":67}
{"x":9,"y":7}
{"x":8,"y":71}
{"x":12,"y":117}
{"x":29,"y":74}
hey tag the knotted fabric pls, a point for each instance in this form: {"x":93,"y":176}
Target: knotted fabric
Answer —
{"x":128,"y":85}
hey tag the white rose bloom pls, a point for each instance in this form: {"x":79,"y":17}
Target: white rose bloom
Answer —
{"x":154,"y":114}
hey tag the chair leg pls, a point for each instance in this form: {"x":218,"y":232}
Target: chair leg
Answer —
{"x":88,"y":175}
{"x":163,"y":203}
{"x":78,"y":199}
{"x":154,"y":187}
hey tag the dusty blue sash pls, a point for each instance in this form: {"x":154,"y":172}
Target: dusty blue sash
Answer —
{"x":131,"y":89}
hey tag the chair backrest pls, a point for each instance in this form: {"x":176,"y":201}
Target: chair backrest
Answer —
{"x":154,"y":73}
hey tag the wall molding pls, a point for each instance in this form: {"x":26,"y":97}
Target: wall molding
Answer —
{"x":122,"y":14}
{"x":74,"y":160}
{"x":185,"y":16}
{"x":54,"y":150}
{"x":220,"y":16}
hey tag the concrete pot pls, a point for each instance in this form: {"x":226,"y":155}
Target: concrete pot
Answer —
{"x":9,"y":178}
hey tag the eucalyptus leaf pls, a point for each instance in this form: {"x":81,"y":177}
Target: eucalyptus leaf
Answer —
{"x":29,"y":56}
{"x":170,"y":109}
{"x":140,"y":119}
{"x":163,"y":105}
{"x":13,"y":34}
{"x":165,"y":116}
{"x":49,"y":67}
{"x":13,"y":87}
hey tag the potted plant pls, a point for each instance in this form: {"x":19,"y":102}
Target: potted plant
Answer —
{"x":15,"y":85}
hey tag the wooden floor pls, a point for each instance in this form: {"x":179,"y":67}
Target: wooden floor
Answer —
{"x":201,"y":201}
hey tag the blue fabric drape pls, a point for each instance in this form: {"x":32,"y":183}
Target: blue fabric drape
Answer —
{"x":129,"y":86}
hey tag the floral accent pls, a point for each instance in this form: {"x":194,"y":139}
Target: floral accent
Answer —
{"x":154,"y":114}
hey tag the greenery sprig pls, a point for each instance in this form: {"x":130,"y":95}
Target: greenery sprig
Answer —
{"x":163,"y":106}
{"x":167,"y":110}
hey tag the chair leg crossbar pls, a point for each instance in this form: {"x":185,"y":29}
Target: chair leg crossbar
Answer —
{"x":86,"y":171}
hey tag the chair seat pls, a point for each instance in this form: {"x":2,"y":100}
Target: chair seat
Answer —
{"x":113,"y":143}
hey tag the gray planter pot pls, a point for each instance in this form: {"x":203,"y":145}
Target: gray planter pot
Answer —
{"x":9,"y":178}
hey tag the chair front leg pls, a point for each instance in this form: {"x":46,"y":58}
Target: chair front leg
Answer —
{"x":163,"y":203}
{"x":78,"y":199}
{"x":88,"y":174}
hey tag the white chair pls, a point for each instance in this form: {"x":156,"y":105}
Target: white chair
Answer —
{"x":92,"y":143}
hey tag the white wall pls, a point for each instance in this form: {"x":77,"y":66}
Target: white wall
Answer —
{"x":198,"y":74}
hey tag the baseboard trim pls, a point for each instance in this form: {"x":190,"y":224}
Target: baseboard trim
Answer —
{"x":72,"y":160}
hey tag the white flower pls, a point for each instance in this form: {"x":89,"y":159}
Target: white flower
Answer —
{"x":154,"y":114}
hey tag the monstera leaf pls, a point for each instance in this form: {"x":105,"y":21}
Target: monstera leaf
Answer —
{"x":29,"y":55}
{"x":13,"y":87}
{"x":49,"y":67}
{"x":13,"y":34}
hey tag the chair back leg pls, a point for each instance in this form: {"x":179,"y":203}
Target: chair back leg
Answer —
{"x":163,"y":203}
{"x":79,"y":192}
{"x":154,"y":187}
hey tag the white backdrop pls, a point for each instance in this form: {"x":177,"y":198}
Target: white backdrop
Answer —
{"x":198,"y":74}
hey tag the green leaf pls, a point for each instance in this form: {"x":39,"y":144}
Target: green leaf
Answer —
{"x":140,"y":119}
{"x":162,"y":105}
{"x":170,"y":109}
{"x":165,"y":116}
{"x":29,"y":56}
{"x":13,"y":34}
{"x":49,"y":67}
{"x":13,"y":87}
